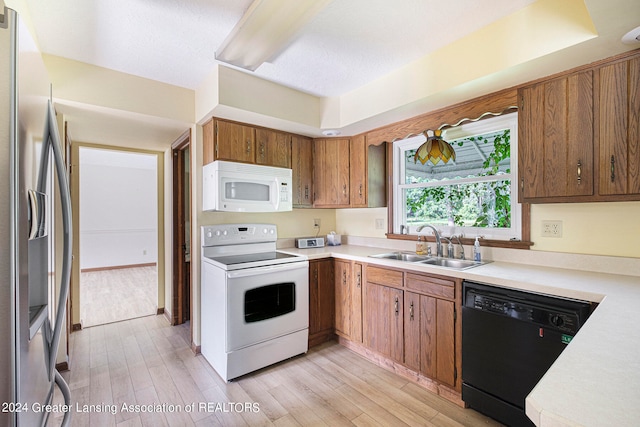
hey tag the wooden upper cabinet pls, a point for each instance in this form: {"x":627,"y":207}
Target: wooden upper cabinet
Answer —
{"x":302,"y":169}
{"x":234,"y":142}
{"x":331,"y":173}
{"x":555,"y":138}
{"x":367,"y":173}
{"x":619,"y":127}
{"x":358,"y":171}
{"x":273,"y":148}
{"x":208,"y":143}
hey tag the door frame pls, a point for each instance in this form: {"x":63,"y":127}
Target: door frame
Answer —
{"x":179,"y":287}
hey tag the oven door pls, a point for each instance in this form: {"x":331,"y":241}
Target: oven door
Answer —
{"x":266,"y":302}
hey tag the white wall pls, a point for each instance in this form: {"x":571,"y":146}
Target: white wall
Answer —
{"x":118,"y":208}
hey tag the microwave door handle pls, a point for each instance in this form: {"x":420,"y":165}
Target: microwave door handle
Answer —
{"x":278,"y":268}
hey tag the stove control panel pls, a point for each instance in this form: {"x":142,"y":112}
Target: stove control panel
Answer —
{"x":229,"y":234}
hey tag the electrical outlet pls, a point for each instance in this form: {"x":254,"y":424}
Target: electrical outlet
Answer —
{"x":551,"y":228}
{"x":379,"y":223}
{"x":316,"y":223}
{"x":144,"y":252}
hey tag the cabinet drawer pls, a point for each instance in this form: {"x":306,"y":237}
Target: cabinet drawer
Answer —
{"x":442,"y":288}
{"x":384,"y":276}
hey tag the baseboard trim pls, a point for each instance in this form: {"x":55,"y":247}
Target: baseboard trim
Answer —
{"x":62,"y":366}
{"x":76,"y":327}
{"x":429,"y":384}
{"x":195,"y":348}
{"x":117,"y":267}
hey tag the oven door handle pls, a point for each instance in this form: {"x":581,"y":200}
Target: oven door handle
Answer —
{"x":257,"y":271}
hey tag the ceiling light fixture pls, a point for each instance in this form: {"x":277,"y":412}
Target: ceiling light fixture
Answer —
{"x":632,"y":36}
{"x":331,"y":132}
{"x":435,"y":148}
{"x":265,"y":30}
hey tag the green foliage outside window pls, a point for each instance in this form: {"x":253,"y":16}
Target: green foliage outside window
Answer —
{"x":478,"y":204}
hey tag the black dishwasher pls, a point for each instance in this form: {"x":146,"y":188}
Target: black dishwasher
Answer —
{"x":510,"y":339}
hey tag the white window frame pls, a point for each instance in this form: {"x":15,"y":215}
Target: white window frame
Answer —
{"x":507,"y":121}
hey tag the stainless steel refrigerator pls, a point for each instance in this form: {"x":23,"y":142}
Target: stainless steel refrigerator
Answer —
{"x":32,"y":170}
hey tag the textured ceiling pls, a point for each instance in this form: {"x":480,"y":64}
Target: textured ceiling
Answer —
{"x":347,"y":45}
{"x":339,"y":53}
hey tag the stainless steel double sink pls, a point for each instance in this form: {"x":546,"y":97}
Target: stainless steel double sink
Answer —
{"x":455,"y":264}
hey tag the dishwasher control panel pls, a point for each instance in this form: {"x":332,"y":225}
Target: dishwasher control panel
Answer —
{"x":543,"y":314}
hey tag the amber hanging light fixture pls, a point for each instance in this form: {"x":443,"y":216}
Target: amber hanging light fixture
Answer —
{"x":434,"y":149}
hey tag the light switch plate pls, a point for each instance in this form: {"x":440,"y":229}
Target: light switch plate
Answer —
{"x":379,"y":223}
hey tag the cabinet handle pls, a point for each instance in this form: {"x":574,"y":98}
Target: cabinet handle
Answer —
{"x":344,"y":189}
{"x":396,"y":306}
{"x":344,"y":277}
{"x":306,"y":192}
{"x":358,"y":279}
{"x":613,"y":168}
{"x":579,"y":172}
{"x":262,"y":149}
{"x":411,"y":311}
{"x":360,"y":190}
{"x":522,"y":184}
{"x":248,"y":146}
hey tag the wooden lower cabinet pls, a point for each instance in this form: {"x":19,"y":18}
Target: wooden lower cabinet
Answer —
{"x":321,"y":301}
{"x":348,"y":290}
{"x":429,"y":337}
{"x":410,"y":319}
{"x":383,"y":316}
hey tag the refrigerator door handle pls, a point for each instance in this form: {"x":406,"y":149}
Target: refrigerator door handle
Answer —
{"x":51,"y":139}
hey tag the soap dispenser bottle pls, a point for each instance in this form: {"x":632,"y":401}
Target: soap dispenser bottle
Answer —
{"x":420,"y":246}
{"x":476,"y":250}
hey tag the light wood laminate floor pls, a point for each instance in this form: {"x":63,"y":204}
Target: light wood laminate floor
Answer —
{"x":108,"y":296}
{"x":145,"y":361}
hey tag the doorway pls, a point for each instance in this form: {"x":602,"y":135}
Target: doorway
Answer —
{"x":181,"y":288}
{"x":118,"y":205}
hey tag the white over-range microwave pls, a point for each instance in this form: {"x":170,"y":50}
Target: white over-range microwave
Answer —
{"x":241,"y":187}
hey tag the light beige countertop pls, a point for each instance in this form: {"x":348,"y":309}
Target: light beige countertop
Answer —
{"x":596,"y":379}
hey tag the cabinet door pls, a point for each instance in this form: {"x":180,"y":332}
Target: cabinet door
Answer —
{"x":445,"y":342}
{"x":555,"y":139}
{"x":429,"y":337}
{"x":235,"y":142}
{"x":208,"y":144}
{"x":383,"y":320}
{"x":412,"y":348}
{"x":273,"y":148}
{"x":331,"y":172}
{"x":619,"y":128}
{"x":302,"y":165}
{"x":356,"y":303}
{"x":358,"y":172}
{"x":343,"y":298}
{"x":321,"y":298}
